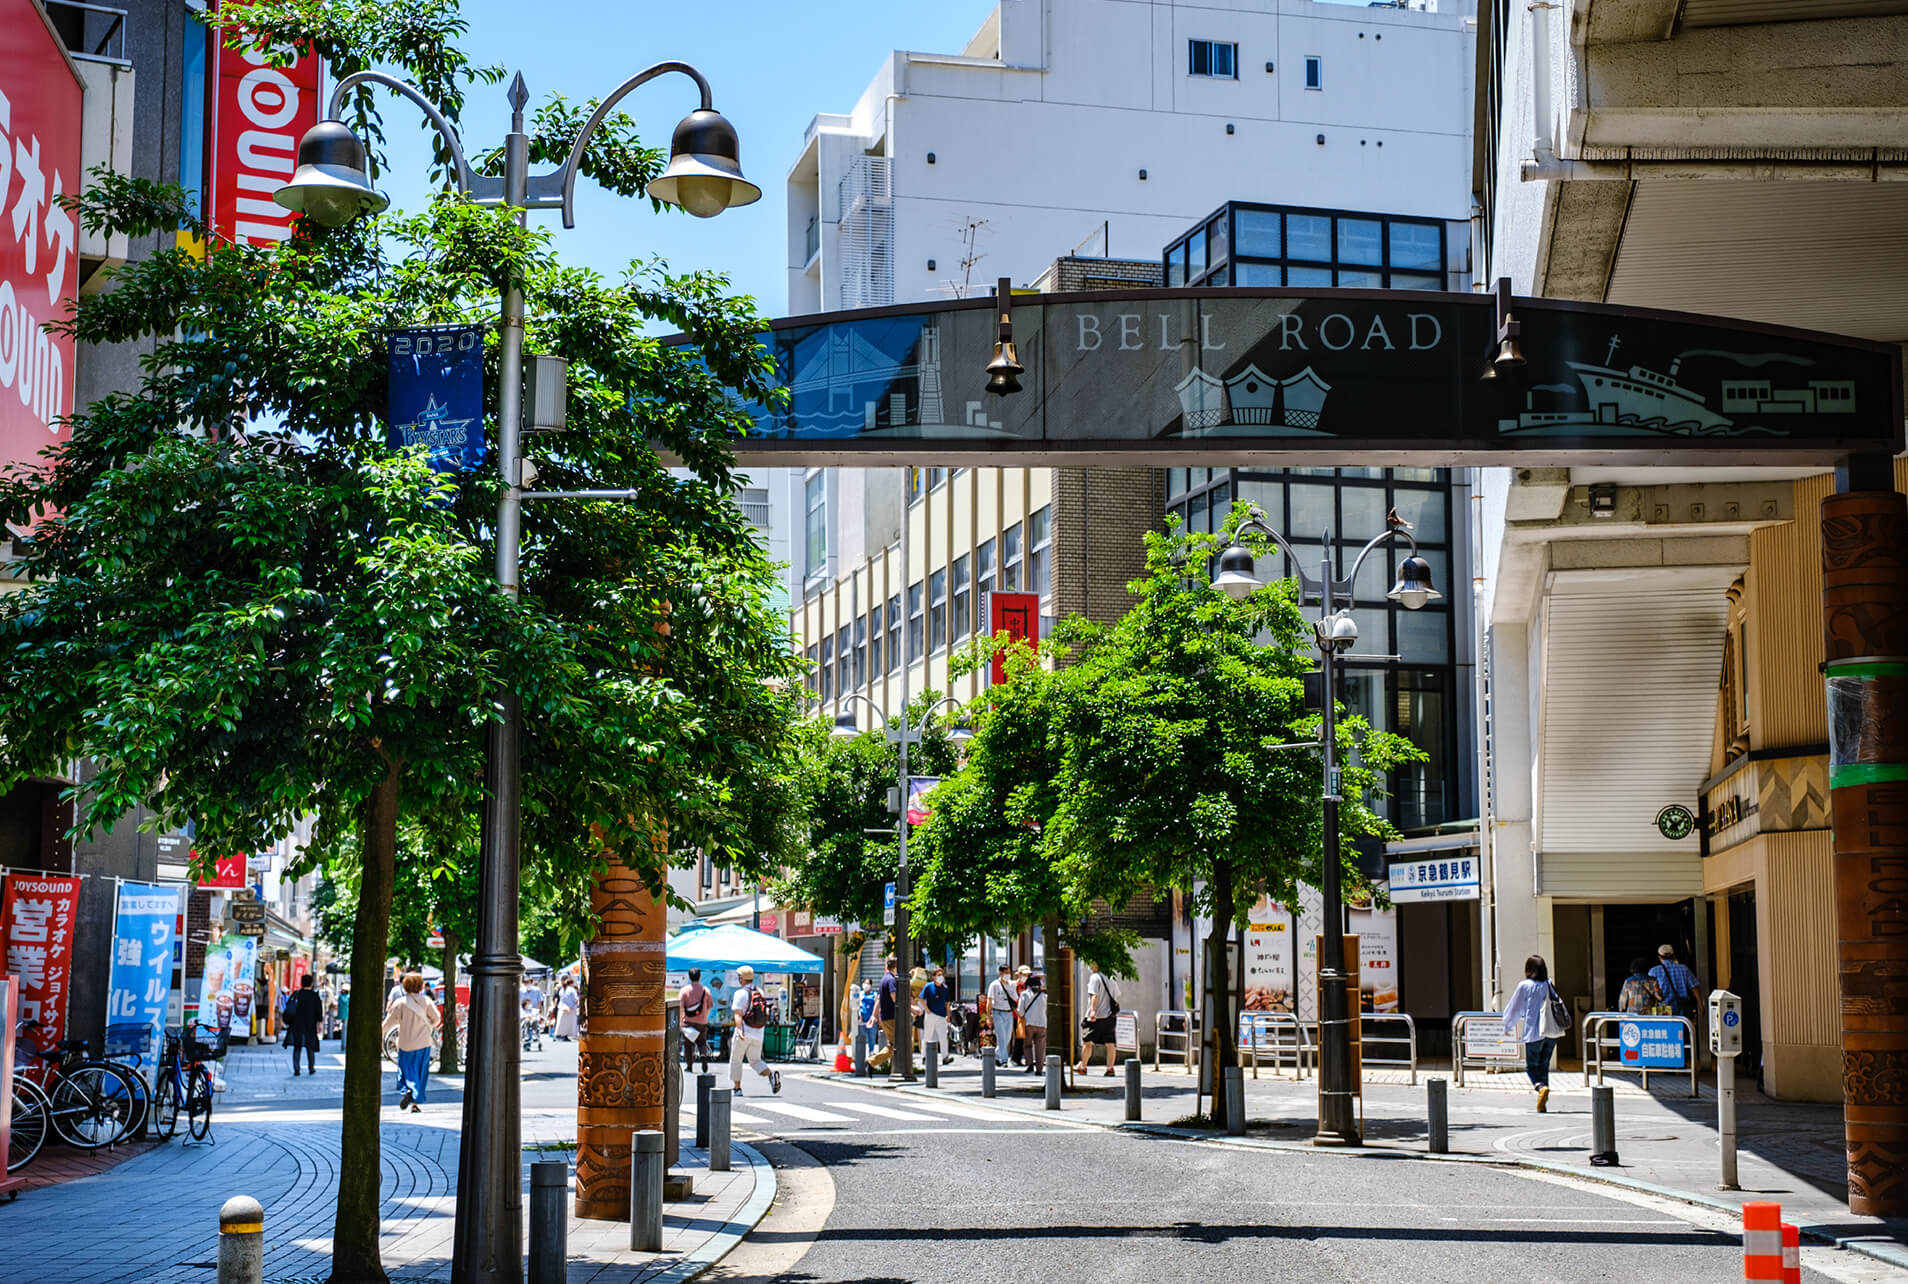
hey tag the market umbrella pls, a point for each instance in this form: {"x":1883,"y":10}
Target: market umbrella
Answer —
{"x":732,"y":946}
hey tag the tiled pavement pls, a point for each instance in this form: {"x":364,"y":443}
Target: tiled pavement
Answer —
{"x":153,"y":1218}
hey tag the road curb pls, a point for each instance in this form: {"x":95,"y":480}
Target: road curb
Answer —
{"x":723,"y":1242}
{"x":1881,"y":1250}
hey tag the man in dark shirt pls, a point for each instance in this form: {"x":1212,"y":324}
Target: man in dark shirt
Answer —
{"x":884,"y":1013}
{"x":934,"y":997}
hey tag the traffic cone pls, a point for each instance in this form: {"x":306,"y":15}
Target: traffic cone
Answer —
{"x":1762,"y":1241}
{"x":1791,"y":1254}
{"x":844,"y":1063}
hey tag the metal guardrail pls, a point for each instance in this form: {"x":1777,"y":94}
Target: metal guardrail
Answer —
{"x":1596,"y":1041}
{"x":1462,"y":1058}
{"x":1279,"y":1033}
{"x":1409,"y":1039}
{"x":1187,"y":1037}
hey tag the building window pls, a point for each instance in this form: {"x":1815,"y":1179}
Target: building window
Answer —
{"x":1215,"y":58}
{"x":814,"y":671}
{"x":917,"y":602}
{"x":1010,"y":559}
{"x":1314,"y":72}
{"x":1040,"y":552}
{"x":923,"y":480}
{"x":984,"y":570}
{"x":874,"y":643}
{"x":937,"y":610}
{"x":828,"y":668}
{"x":846,"y":677}
{"x":817,"y":523}
{"x":961,"y":623}
{"x":894,"y":633}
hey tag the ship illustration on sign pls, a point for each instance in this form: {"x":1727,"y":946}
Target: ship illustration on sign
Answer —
{"x":1251,"y":403}
{"x":1638,"y":400}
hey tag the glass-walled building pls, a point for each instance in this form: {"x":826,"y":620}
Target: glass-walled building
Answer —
{"x":1267,"y":246}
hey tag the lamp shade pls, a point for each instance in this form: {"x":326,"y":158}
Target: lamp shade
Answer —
{"x":845,"y":727}
{"x":1413,"y":588}
{"x":704,"y":175}
{"x":332,"y":184}
{"x":1238,"y":573}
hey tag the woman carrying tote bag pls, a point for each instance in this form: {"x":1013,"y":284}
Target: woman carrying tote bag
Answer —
{"x":1536,"y":1014}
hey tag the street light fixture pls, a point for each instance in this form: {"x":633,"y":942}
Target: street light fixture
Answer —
{"x":1334,"y":632}
{"x":332,"y":186}
{"x":901,"y":1064}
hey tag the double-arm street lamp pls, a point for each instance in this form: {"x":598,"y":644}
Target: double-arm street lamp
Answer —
{"x":901,"y":1062}
{"x":1334,"y":632}
{"x":332,"y":186}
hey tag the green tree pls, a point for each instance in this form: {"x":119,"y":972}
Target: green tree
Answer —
{"x":244,"y":608}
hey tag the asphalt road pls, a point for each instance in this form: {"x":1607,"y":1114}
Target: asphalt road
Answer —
{"x":958,"y":1193}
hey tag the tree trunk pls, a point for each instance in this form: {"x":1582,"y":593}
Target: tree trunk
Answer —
{"x":1219,"y":1018}
{"x":354,"y":1234}
{"x":447,"y":1058}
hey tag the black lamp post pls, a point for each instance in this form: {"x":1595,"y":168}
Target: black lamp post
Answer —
{"x":332,"y":186}
{"x":1334,"y":632}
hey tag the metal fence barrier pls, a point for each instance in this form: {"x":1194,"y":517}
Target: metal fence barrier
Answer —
{"x":1408,"y":1040}
{"x":1598,"y":1041}
{"x":1280,"y":1034}
{"x":1487,"y":1050}
{"x":1186,"y":1037}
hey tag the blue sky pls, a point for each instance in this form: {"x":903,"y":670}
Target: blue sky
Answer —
{"x":773,"y":66}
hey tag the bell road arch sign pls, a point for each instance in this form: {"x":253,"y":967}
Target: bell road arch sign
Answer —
{"x":1174,"y":377}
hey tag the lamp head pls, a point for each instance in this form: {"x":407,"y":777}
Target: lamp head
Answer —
{"x":1238,"y":573}
{"x":1004,"y":371}
{"x":960,"y":733}
{"x":704,"y":175}
{"x":1413,"y":588}
{"x":844,"y":728}
{"x":332,"y":184}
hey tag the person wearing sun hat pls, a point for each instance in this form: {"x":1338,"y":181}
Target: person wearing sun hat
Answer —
{"x":751,"y":1013}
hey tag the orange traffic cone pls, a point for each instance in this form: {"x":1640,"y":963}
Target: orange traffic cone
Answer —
{"x":1791,"y":1254}
{"x":1762,"y":1241}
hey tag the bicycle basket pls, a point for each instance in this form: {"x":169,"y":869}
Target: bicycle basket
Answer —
{"x":130,"y":1040}
{"x":206,"y":1043}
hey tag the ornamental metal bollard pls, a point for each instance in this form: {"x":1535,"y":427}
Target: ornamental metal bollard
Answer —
{"x":705,"y":1084}
{"x":241,"y":1241}
{"x":549,"y":1222}
{"x":1235,"y":1101}
{"x":933,"y":1053}
{"x":1437,"y":1109}
{"x":861,"y":1051}
{"x":719,"y":1130}
{"x":1603,"y":1148}
{"x":987,"y":1072}
{"x":1053,"y":1081}
{"x":672,"y":1086}
{"x":1132,"y":1089}
{"x":646,"y":1191}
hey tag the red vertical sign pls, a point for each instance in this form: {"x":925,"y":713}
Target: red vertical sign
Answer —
{"x":259,"y":112}
{"x":37,"y":925}
{"x":1018,"y":616}
{"x":39,"y":241}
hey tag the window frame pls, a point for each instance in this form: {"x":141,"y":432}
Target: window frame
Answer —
{"x":1010,"y":559}
{"x":1197,"y":44}
{"x":960,"y":600}
{"x":1040,"y":551}
{"x":815,"y":522}
{"x":917,"y":622}
{"x":1315,"y":71}
{"x":895,"y":624}
{"x":937,"y":611}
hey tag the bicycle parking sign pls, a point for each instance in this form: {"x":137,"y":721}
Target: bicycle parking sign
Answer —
{"x":1652,"y":1045}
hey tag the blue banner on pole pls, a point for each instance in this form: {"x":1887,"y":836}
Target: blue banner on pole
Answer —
{"x":141,"y":976}
{"x":437,"y":394}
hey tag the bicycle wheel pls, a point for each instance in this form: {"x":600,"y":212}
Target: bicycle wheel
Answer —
{"x":198,"y":1103}
{"x":165,"y":1113}
{"x":92,"y":1104}
{"x":32,"y":1121}
{"x":390,"y":1047}
{"x":141,"y":1099}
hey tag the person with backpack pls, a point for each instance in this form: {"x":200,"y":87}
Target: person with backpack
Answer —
{"x":1536,"y":1014}
{"x":1033,"y":1021}
{"x":1101,"y":1021}
{"x":1677,"y":983}
{"x":695,"y":1001}
{"x":751,"y":1008}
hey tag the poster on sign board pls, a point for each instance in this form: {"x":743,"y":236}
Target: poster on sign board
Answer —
{"x":228,"y":985}
{"x":1267,"y":962}
{"x":1377,"y":932}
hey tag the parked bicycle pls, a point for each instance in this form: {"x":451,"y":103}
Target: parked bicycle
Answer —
{"x":91,"y":1103}
{"x":32,"y":1123}
{"x":185,"y":1081}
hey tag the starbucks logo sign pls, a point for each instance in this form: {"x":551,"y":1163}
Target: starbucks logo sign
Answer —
{"x":1675,"y":822}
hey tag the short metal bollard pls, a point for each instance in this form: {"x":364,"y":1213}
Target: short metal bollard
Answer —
{"x":646,"y":1191}
{"x":1437,"y":1110}
{"x":719,"y":1130}
{"x":933,"y":1053}
{"x":987,"y":1072}
{"x":705,"y":1084}
{"x":861,"y":1052}
{"x":1053,"y":1081}
{"x":241,"y":1241}
{"x":1603,"y":1147}
{"x":549,"y":1222}
{"x":1235,"y":1101}
{"x":1132,"y":1089}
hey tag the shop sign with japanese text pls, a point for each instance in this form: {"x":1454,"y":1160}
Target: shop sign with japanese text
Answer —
{"x":1652,"y":1045}
{"x":141,"y":979}
{"x":37,"y":928}
{"x":1447,"y":878}
{"x":259,"y":112}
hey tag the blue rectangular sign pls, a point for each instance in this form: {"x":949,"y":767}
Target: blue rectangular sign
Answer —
{"x":1652,"y":1044}
{"x":437,"y":394}
{"x":141,"y":975}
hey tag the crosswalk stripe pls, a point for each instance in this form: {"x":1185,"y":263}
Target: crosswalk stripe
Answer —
{"x":884,"y":1112}
{"x":737,"y":1116}
{"x":967,"y":1110}
{"x":801,"y":1112}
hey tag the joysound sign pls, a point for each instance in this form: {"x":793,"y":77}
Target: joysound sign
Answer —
{"x":1157,"y":377}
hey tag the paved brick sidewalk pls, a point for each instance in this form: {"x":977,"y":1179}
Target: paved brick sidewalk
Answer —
{"x":154,"y":1217}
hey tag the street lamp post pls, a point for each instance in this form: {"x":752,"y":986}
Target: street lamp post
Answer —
{"x":901,"y":1062}
{"x":1334,"y":632}
{"x":332,"y":186}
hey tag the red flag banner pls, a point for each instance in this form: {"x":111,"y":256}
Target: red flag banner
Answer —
{"x":259,"y":113}
{"x":1018,"y":616}
{"x":37,"y":926}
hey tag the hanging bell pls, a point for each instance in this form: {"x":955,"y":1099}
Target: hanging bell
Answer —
{"x":1509,"y":355}
{"x":1004,"y":371}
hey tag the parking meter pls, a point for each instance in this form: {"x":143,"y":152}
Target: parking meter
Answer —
{"x":1725,"y":1024}
{"x":1725,"y":1040}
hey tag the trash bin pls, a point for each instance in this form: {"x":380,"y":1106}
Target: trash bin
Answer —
{"x":778,"y":1042}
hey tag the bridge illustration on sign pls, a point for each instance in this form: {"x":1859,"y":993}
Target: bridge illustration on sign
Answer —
{"x":873,"y":379}
{"x":1640,"y":401}
{"x":1251,"y":403}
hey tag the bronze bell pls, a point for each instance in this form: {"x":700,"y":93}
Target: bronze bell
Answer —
{"x":1004,"y":371}
{"x":1509,"y":354}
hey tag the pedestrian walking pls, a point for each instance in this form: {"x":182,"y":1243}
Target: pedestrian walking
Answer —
{"x":1101,"y":1020}
{"x":934,"y":1003}
{"x":696,"y":1002}
{"x":415,"y":1018}
{"x":1677,"y":983}
{"x":1000,"y":1009}
{"x":1536,"y":1015}
{"x":344,"y":1013}
{"x":886,"y":1004}
{"x":719,"y":1018}
{"x":1033,"y":1020}
{"x":304,"y":1010}
{"x":751,"y":1010}
{"x":869,"y":1018}
{"x":567,"y":1003}
{"x":1640,"y":994}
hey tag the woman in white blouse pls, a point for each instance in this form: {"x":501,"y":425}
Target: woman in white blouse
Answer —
{"x":1527,"y":1016}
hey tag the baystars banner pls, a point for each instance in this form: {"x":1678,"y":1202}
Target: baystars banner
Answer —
{"x":37,"y":926}
{"x":141,"y":977}
{"x":39,"y":276}
{"x":437,"y":394}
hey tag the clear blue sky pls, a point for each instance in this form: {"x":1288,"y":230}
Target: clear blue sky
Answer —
{"x":773,"y":66}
